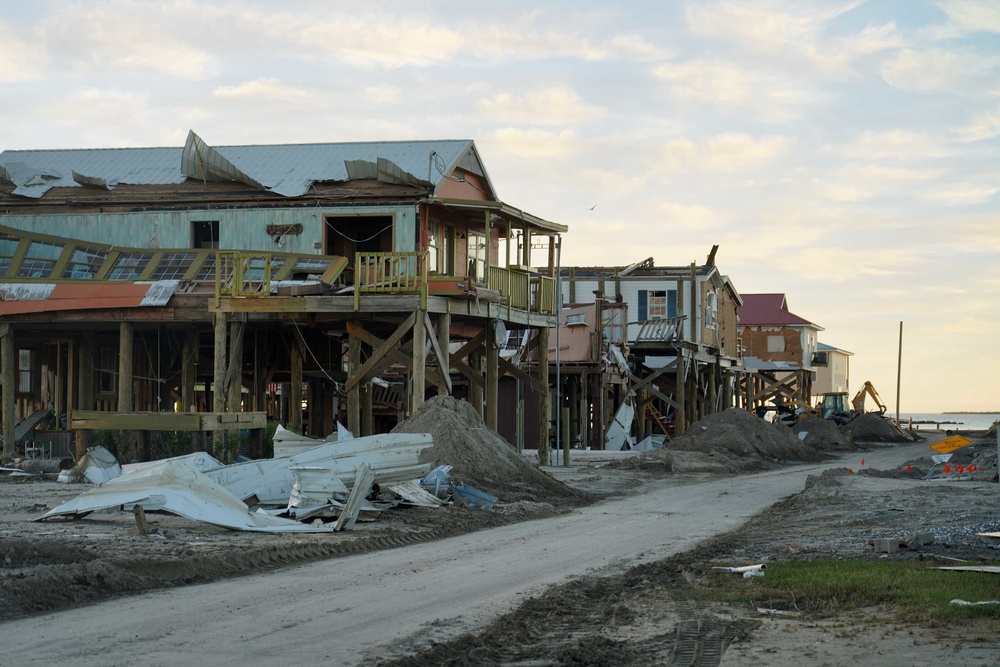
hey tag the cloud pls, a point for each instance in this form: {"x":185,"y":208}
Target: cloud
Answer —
{"x":791,"y":30}
{"x":969,"y":16}
{"x":23,"y":59}
{"x":766,"y":95}
{"x":694,"y":216}
{"x":535,"y":143}
{"x":552,"y":106}
{"x":981,"y":127}
{"x":934,"y":69}
{"x":727,"y":152}
{"x":266,"y":89}
{"x":897,"y":144}
{"x":963,"y":194}
{"x":125,"y":36}
{"x":855,"y":182}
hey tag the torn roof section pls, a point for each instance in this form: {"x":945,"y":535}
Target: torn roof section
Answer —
{"x":769,"y":310}
{"x":285,"y":169}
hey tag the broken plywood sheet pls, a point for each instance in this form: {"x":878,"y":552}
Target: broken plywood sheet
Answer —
{"x":414,"y":494}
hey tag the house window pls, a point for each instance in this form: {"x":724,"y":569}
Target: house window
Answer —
{"x":711,"y":310}
{"x":107,"y":370}
{"x":433,"y":239}
{"x":576,"y":318}
{"x":205,"y":234}
{"x":84,"y":263}
{"x":25,"y":368}
{"x":775,"y":343}
{"x":448,"y":249}
{"x":8,"y":248}
{"x":40,"y":260}
{"x":130,"y":265}
{"x":657,"y":304}
{"x":173,"y":266}
{"x":477,"y":256}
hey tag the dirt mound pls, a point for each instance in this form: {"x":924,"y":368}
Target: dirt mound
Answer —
{"x":739,"y":433}
{"x":822,"y":434}
{"x":481,"y":458}
{"x":873,"y":427}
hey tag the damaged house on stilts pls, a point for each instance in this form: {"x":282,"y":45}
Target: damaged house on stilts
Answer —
{"x":644,"y":350}
{"x":213,"y":289}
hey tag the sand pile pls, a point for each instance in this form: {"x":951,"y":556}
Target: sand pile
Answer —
{"x":730,"y":442}
{"x":873,"y":427}
{"x":822,"y":434}
{"x":482,"y":458}
{"x":739,"y":433}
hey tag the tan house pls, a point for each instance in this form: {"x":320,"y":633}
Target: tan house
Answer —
{"x":780,"y":352}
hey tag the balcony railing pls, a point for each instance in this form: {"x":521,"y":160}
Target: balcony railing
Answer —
{"x":241,"y":274}
{"x":524,"y":290}
{"x":390,"y":273}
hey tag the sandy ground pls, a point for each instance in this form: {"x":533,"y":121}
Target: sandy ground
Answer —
{"x":549,"y":577}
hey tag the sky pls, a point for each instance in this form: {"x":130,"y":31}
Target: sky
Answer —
{"x":844,"y":153}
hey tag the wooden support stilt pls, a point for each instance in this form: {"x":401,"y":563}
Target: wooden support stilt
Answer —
{"x":189,"y":359}
{"x":542,"y":352}
{"x":492,"y":378}
{"x":219,"y":382}
{"x":419,"y":362}
{"x":9,"y":406}
{"x":354,"y":393}
{"x":444,"y":360}
{"x":297,"y":356}
{"x":126,"y":358}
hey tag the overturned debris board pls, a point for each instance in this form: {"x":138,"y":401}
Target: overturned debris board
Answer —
{"x":414,"y":494}
{"x":362,"y":485}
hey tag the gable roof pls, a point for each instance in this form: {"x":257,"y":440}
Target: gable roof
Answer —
{"x":285,"y":169}
{"x":769,"y":310}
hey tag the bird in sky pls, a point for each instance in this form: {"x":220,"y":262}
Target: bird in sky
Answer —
{"x":593,"y":207}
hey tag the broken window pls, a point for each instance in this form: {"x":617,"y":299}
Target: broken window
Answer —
{"x":40,"y":260}
{"x":25,"y":368}
{"x":205,"y":234}
{"x":84,"y":263}
{"x":477,"y":256}
{"x":107,"y":370}
{"x":711,"y":310}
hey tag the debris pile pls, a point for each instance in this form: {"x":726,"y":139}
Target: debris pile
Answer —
{"x":873,"y":427}
{"x":479,"y":457}
{"x":822,"y":434}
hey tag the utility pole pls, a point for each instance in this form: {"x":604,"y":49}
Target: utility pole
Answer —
{"x":899,"y":369}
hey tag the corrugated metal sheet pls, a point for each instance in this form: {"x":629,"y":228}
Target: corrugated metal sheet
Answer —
{"x":287,"y":169}
{"x":19,"y":298}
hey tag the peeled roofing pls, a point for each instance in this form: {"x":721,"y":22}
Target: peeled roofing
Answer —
{"x":271,"y":165}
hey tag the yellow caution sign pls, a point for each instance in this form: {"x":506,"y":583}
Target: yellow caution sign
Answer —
{"x":948,"y":445}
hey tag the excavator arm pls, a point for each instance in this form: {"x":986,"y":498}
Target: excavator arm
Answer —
{"x":858,"y":402}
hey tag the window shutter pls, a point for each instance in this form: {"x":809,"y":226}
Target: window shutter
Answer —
{"x":642,"y":305}
{"x":671,"y":303}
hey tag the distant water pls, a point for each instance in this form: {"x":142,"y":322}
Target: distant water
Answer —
{"x":948,"y":421}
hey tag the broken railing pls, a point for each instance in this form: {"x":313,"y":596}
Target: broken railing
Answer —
{"x":390,"y":273}
{"x":241,"y":274}
{"x":523,"y":290}
{"x":667,"y":330}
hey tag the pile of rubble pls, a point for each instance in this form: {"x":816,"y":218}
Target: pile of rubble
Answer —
{"x":480,"y":457}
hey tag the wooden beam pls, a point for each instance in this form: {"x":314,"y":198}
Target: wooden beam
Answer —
{"x":440,"y":353}
{"x":89,"y":420}
{"x":509,"y":368}
{"x":381,"y":351}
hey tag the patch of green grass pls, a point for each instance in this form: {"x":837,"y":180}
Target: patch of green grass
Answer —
{"x":918,"y":591}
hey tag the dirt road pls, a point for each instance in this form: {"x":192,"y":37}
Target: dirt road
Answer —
{"x":360,"y":609}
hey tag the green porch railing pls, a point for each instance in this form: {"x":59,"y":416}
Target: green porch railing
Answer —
{"x":390,"y":273}
{"x":523,"y":290}
{"x":241,"y":274}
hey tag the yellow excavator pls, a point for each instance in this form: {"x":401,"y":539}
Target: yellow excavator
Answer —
{"x":833,"y":405}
